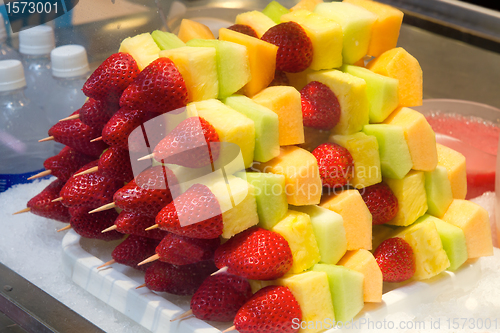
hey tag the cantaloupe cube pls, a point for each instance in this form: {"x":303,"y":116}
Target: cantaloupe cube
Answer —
{"x":351,"y":94}
{"x":142,"y":48}
{"x":231,"y":126}
{"x":475,"y":222}
{"x":190,"y":29}
{"x":261,"y":57}
{"x":300,"y":168}
{"x":297,"y":229}
{"x":363,"y":261}
{"x":285,"y":102}
{"x":306,"y":5}
{"x":419,"y":136}
{"x":357,"y":218}
{"x":325,"y":35}
{"x":454,"y":162}
{"x":258,"y":21}
{"x":385,"y":31}
{"x":411,"y":195}
{"x":198,"y":67}
{"x":399,"y":64}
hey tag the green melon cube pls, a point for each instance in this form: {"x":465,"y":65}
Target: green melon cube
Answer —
{"x":274,"y":10}
{"x":438,"y":190}
{"x":166,"y":40}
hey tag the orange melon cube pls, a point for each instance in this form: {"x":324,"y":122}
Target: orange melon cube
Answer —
{"x":399,"y":64}
{"x":258,"y":21}
{"x":190,"y":29}
{"x":454,"y":163}
{"x":261,"y":57}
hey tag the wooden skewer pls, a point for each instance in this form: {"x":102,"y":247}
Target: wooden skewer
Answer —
{"x":105,"y":207}
{"x":75,"y":116}
{"x":152,"y":227}
{"x":49,"y":138}
{"x":111,"y":262}
{"x":91,"y":170}
{"x":184,"y":315}
{"x":96,"y":139}
{"x":65,"y":228}
{"x":141,"y":286}
{"x":113,"y":227}
{"x":150,"y":259}
{"x":58,"y":199}
{"x":147,"y":157}
{"x":25,"y":210}
{"x":222,"y":270}
{"x":41,"y":174}
{"x":232,"y":328}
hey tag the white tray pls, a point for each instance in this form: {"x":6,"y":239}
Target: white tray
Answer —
{"x":116,"y":287}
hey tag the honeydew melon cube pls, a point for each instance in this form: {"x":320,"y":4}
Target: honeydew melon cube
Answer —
{"x":356,"y":25}
{"x":430,"y":257}
{"x":300,"y":168}
{"x":475,"y":223}
{"x":274,"y":10}
{"x":385,"y":31}
{"x":357,"y":218}
{"x":166,"y":40}
{"x":419,"y":136}
{"x":261,"y":57}
{"x":454,"y":162}
{"x":411,"y":195}
{"x":258,"y":21}
{"x":329,"y":231}
{"x":438,"y":189}
{"x":230,"y":125}
{"x":453,"y":239}
{"x":395,"y":158}
{"x":399,"y":64}
{"x":312,"y":292}
{"x":325,"y":35}
{"x":364,"y":262}
{"x":351,"y":94}
{"x":365,"y":154}
{"x":198,"y":67}
{"x":233,"y":67}
{"x":346,"y":288}
{"x":190,"y":29}
{"x":266,"y":122}
{"x":142,"y":48}
{"x":286,"y":103}
{"x":306,"y":5}
{"x":270,"y":196}
{"x":382,"y":92}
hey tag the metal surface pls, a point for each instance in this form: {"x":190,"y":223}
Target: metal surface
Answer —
{"x":34,"y":310}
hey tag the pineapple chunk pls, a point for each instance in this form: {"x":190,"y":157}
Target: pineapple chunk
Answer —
{"x":142,"y":48}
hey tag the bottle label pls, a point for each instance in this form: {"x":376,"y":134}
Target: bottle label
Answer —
{"x":7,"y":181}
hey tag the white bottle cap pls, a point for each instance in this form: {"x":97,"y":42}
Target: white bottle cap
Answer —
{"x":11,"y":75}
{"x":3,"y":31}
{"x":69,"y":61}
{"x":38,"y":40}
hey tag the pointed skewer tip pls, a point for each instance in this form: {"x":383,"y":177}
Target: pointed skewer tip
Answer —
{"x":113,"y":227}
{"x":58,"y":199}
{"x":111,"y":262}
{"x":96,"y":139}
{"x":41,"y":174}
{"x":49,"y":138}
{"x":25,"y":210}
{"x":75,"y":116}
{"x":141,"y":286}
{"x":150,"y":259}
{"x":232,"y":328}
{"x":147,"y":157}
{"x":65,"y":228}
{"x":152,"y":227}
{"x":183,"y":315}
{"x":222,"y":270}
{"x":91,"y":170}
{"x":105,"y":207}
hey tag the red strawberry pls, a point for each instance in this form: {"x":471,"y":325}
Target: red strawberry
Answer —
{"x":66,"y":163}
{"x":91,"y":225}
{"x":395,"y":259}
{"x":111,"y":78}
{"x":77,"y":135}
{"x":280,"y":79}
{"x":256,"y":254}
{"x":295,"y":49}
{"x":96,"y":113}
{"x":117,"y":130}
{"x":272,"y":309}
{"x":133,"y":250}
{"x":180,"y":250}
{"x":336,"y":166}
{"x":188,"y":144}
{"x":148,"y":193}
{"x":320,"y":106}
{"x":89,"y":190}
{"x":42,"y":204}
{"x":178,"y":280}
{"x":135,"y":224}
{"x":199,"y":211}
{"x":244,"y":29}
{"x":115,"y":163}
{"x":158,"y":88}
{"x":220,"y":297}
{"x":381,"y":202}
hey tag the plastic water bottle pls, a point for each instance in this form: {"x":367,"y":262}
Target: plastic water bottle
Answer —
{"x":22,"y":124}
{"x":6,"y":52}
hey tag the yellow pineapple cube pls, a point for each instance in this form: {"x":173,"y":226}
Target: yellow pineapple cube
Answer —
{"x":306,"y":5}
{"x":454,"y":163}
{"x":142,"y":48}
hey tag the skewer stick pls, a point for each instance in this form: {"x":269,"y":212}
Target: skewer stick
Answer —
{"x":65,"y":228}
{"x":111,"y":262}
{"x":113,"y":227}
{"x":147,"y":157}
{"x":141,"y":286}
{"x":96,"y":139}
{"x":25,"y":210}
{"x":75,"y":116}
{"x":105,"y":207}
{"x":154,"y":226}
{"x":232,"y":328}
{"x":150,"y":259}
{"x":58,"y":199}
{"x":184,"y":315}
{"x":91,"y":170}
{"x":222,"y":270}
{"x":40,"y":174}
{"x":49,"y":138}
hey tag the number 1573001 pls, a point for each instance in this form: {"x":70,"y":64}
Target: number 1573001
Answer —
{"x":32,"y":7}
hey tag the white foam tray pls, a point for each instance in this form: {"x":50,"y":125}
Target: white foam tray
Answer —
{"x":116,"y":286}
